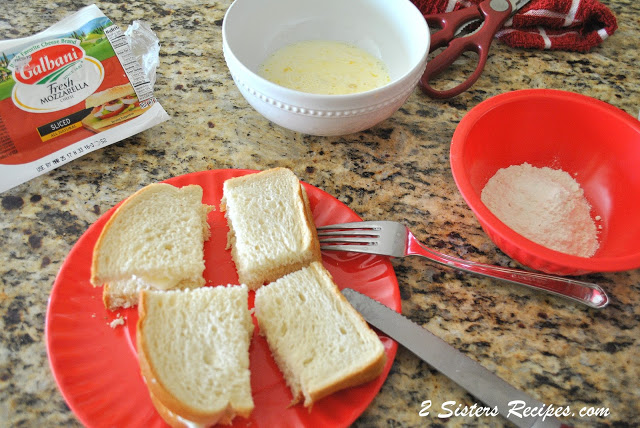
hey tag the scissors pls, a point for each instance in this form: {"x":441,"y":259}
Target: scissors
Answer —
{"x":455,"y":34}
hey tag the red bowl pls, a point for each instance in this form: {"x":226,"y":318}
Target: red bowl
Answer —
{"x":598,"y":144}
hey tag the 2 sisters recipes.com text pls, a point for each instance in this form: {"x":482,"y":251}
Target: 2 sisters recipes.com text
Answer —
{"x":518,"y":409}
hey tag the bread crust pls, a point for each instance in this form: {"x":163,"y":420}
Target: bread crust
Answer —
{"x":364,"y":375}
{"x":316,"y":252}
{"x":168,"y":406}
{"x":176,"y":421}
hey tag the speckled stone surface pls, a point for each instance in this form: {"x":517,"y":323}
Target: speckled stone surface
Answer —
{"x":561,"y":353}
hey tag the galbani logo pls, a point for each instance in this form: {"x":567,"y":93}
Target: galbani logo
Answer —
{"x":54,"y":75}
{"x":49,"y":63}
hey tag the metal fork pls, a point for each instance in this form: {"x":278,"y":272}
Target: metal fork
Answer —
{"x":393,"y":239}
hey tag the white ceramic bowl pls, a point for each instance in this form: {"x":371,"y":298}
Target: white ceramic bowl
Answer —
{"x":394,"y":31}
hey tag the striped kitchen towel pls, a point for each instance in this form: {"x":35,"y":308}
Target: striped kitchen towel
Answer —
{"x":572,"y":25}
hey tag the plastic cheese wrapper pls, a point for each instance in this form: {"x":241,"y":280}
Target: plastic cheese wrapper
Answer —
{"x":72,"y":89}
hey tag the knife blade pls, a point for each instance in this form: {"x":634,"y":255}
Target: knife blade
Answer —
{"x":470,"y":375}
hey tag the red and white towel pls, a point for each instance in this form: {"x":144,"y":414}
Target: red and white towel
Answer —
{"x":572,"y":25}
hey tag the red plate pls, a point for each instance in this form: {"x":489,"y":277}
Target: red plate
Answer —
{"x":96,"y":366}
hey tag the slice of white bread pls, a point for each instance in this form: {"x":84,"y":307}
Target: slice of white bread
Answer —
{"x":319,"y":341}
{"x":153,"y":240}
{"x":271,"y":229}
{"x":193,"y":350}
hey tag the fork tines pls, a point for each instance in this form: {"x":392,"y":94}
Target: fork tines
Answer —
{"x":357,"y":225}
{"x":360,"y":233}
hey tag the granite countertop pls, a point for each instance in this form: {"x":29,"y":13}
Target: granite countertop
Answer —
{"x":561,"y":353}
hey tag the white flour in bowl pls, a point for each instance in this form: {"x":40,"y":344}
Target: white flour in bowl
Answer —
{"x":544,"y":205}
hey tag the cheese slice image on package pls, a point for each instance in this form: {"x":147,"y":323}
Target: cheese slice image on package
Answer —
{"x":67,"y":91}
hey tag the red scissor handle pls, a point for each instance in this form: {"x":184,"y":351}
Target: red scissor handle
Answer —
{"x":478,"y":42}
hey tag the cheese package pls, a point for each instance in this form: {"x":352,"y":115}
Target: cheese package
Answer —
{"x":67,"y":91}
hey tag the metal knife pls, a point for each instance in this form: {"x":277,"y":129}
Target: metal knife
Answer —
{"x":477,"y":380}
